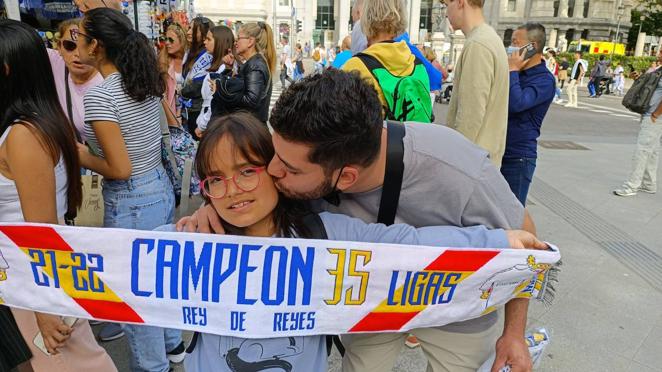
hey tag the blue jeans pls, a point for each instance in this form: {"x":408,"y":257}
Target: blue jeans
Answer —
{"x":143,"y":202}
{"x":518,"y":172}
{"x":591,"y":88}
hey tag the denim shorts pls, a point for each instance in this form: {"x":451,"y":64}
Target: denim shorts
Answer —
{"x":142,"y":202}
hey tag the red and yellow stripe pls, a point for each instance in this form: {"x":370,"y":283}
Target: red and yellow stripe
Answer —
{"x":104,"y":305}
{"x":387,"y":317}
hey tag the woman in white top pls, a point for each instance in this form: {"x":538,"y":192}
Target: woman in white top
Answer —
{"x":219,"y":43}
{"x":39,"y":179}
{"x":122,"y":127}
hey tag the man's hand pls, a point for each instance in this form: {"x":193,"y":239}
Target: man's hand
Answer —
{"x":204,"y":220}
{"x":516,"y":61}
{"x":212,"y":86}
{"x":54,"y":332}
{"x":511,"y":350}
{"x":521,"y":239}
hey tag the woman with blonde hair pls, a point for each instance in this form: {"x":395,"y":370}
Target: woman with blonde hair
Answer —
{"x":382,"y":22}
{"x":171,"y":63}
{"x":251,"y":91}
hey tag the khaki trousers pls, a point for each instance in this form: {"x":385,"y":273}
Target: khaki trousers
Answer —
{"x":445,"y":351}
{"x":572,"y":93}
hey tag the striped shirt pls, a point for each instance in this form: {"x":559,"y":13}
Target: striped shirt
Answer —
{"x":138,"y":121}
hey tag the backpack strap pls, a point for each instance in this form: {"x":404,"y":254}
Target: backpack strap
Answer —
{"x":372,"y":64}
{"x":167,"y":143}
{"x":315,"y":226}
{"x":395,"y":167}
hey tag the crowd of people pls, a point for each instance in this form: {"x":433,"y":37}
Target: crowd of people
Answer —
{"x":98,"y":102}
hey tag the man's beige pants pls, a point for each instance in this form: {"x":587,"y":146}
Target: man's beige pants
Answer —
{"x":445,"y":351}
{"x":572,"y":93}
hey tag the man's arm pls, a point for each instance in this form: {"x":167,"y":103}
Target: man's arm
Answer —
{"x":658,"y":111}
{"x":473,"y":91}
{"x":521,"y":100}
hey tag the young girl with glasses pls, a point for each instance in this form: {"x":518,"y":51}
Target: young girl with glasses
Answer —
{"x":231,"y":161}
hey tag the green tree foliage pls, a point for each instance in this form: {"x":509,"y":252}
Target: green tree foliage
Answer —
{"x":652,"y":24}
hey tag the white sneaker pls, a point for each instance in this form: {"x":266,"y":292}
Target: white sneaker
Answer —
{"x":558,"y":101}
{"x":625,"y":191}
{"x":648,"y":190}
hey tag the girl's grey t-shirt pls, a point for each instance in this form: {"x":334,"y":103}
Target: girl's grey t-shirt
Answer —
{"x":308,"y":353}
{"x":447,"y":180}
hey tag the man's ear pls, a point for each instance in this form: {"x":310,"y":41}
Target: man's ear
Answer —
{"x":348,"y":177}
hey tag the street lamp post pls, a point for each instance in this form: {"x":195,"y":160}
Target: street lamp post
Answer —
{"x":621,"y":10}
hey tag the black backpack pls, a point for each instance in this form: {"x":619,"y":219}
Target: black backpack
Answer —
{"x":638,"y":98}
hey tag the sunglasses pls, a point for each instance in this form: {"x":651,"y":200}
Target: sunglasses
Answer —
{"x":74,"y":32}
{"x":169,"y":40}
{"x":69,"y":45}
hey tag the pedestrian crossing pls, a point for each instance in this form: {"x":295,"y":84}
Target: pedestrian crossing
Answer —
{"x":615,"y":110}
{"x":275,"y":94}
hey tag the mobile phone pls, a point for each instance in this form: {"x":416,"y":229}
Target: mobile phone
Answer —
{"x":39,"y":339}
{"x":528,"y":50}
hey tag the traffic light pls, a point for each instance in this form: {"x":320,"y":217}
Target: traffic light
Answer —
{"x":299,"y":28}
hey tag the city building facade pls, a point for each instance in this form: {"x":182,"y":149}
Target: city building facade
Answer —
{"x":328,"y":21}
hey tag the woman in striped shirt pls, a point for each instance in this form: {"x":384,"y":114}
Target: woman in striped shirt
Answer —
{"x":123,"y":131}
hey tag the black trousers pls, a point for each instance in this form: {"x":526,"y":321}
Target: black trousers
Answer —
{"x":13,"y":349}
{"x":191,"y":124}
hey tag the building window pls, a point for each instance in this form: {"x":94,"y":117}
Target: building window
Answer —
{"x":325,"y":19}
{"x":507,"y":37}
{"x":556,"y":8}
{"x":585,"y":34}
{"x":587,"y":5}
{"x":570,"y":35}
{"x":571,"y":8}
{"x":512,"y":5}
{"x":426,"y":15}
{"x":284,"y":2}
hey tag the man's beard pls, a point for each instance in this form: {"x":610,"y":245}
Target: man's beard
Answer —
{"x":325,"y":188}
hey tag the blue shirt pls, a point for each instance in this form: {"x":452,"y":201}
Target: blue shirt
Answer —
{"x":433,"y":73}
{"x":531,"y":93}
{"x":341,"y":59}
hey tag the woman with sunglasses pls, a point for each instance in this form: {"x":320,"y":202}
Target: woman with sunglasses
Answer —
{"x":171,"y":63}
{"x":39,"y":181}
{"x":72,"y":78}
{"x":231,"y":160}
{"x":196,"y":64}
{"x":251,"y":89}
{"x":123,"y":129}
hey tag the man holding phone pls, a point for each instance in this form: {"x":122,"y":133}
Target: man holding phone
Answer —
{"x":532,"y":89}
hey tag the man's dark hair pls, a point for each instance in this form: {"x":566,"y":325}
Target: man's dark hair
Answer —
{"x":580,"y":53}
{"x":535,"y":33}
{"x":602,"y":57}
{"x":337,"y":113}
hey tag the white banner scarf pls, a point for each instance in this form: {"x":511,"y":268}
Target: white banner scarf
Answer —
{"x":257,"y":287}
